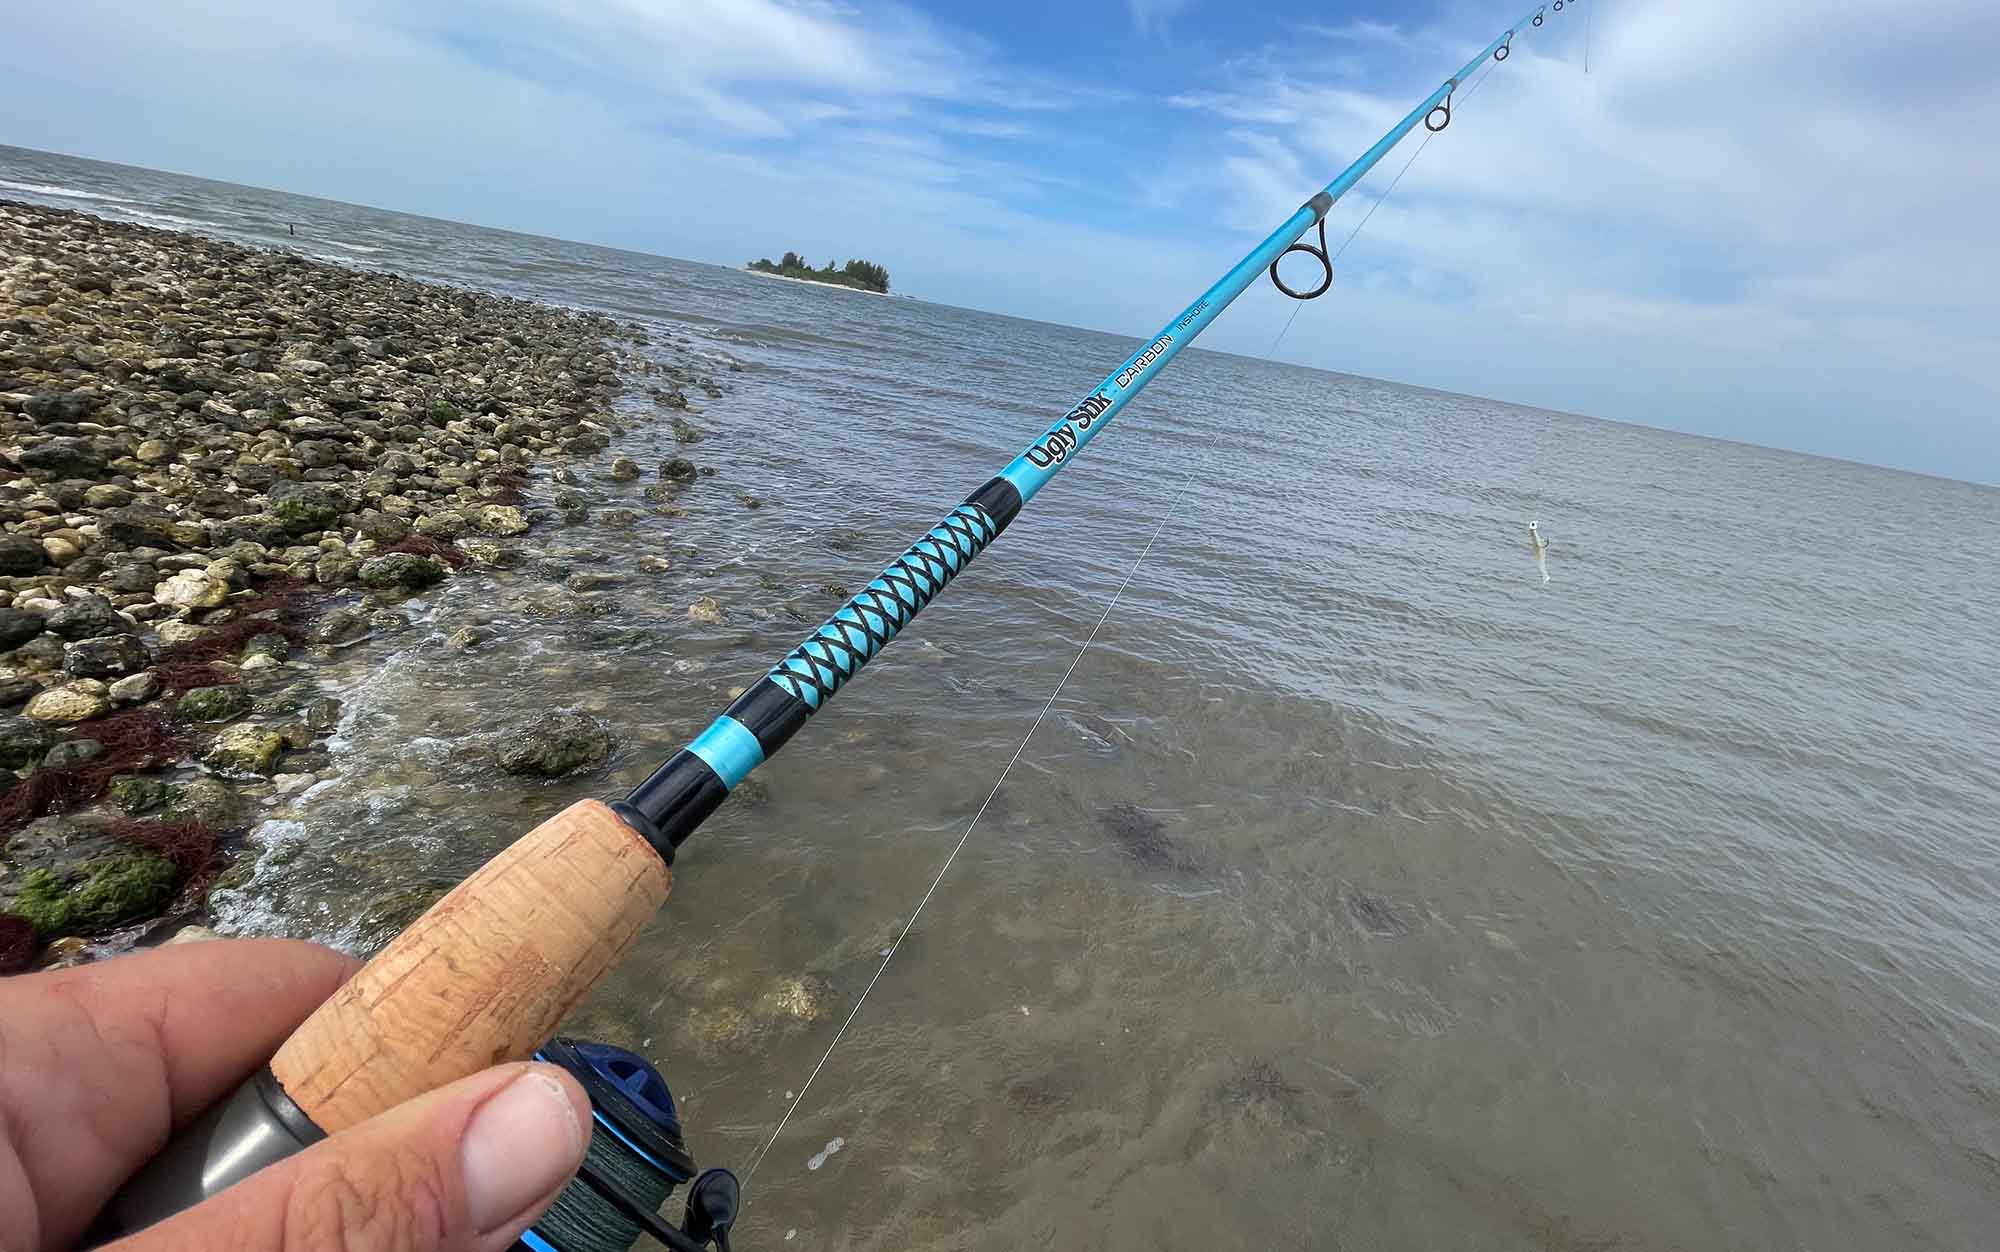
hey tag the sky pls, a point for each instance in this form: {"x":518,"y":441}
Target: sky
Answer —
{"x":1771,"y":221}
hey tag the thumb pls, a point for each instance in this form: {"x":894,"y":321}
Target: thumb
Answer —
{"x":464,"y":1168}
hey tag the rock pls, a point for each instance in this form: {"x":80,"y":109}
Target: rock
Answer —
{"x":191,"y":934}
{"x":210,"y":801}
{"x":707,"y":610}
{"x":173,"y":634}
{"x":260,"y":663}
{"x":500,"y":519}
{"x":655,"y":564}
{"x":624,"y":469}
{"x":619,"y":519}
{"x":384,"y":528}
{"x":20,"y":555}
{"x":43,"y":654}
{"x":57,"y":406}
{"x":103,"y":892}
{"x":685,"y":433}
{"x":23,"y":743}
{"x":17,"y":627}
{"x":490,"y":555}
{"x":66,"y":953}
{"x":270,"y":643}
{"x":135,"y":689}
{"x":323,"y":713}
{"x":244,"y":749}
{"x":213,"y":704}
{"x":14,"y":691}
{"x":138,"y":793}
{"x":72,"y":752}
{"x":555,"y":744}
{"x":441,"y":524}
{"x":301,"y":507}
{"x":106,"y":496}
{"x":70,"y":704}
{"x":465,"y":639}
{"x":64,"y":458}
{"x":677,"y":470}
{"x":749,"y":501}
{"x":402,"y":569}
{"x":139,"y":527}
{"x":110,"y":656}
{"x":59,"y":550}
{"x":338,"y":627}
{"x":192,"y":589}
{"x":155,"y":451}
{"x":87,"y":617}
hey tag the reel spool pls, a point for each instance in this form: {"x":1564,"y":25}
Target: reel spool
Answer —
{"x":636,"y":1159}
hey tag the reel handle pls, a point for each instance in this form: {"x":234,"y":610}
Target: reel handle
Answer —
{"x":484,"y":976}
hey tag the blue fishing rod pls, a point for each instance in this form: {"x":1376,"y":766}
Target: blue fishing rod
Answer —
{"x":489,"y":972}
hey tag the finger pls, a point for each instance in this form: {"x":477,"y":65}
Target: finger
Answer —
{"x":464,"y":1169}
{"x":98,"y":1065}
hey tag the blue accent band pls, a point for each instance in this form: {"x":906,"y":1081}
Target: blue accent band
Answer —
{"x":534,"y":1241}
{"x":729,"y":749}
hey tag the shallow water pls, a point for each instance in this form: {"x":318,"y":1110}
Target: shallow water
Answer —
{"x":1361,"y":891}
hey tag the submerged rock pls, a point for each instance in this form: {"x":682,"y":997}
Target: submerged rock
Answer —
{"x":555,"y":744}
{"x":707,"y":610}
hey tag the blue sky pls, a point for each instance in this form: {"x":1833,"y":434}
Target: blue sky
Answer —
{"x":1769,"y":222}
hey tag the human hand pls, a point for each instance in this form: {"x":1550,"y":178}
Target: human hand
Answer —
{"x":100,"y":1065}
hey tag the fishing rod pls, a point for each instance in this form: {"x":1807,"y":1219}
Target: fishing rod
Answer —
{"x":491,"y":970}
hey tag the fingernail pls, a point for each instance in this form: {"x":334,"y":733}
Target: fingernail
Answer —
{"x":521,"y":1145}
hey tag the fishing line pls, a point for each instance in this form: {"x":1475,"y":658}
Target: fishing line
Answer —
{"x":998,"y":783}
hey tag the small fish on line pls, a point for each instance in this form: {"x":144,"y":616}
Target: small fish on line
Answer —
{"x":1540,"y":547}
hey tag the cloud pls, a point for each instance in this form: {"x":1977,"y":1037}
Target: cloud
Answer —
{"x":1151,"y":15}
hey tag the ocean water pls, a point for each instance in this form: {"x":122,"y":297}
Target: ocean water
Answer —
{"x":1362,"y":891}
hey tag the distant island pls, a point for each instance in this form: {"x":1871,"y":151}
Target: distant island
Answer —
{"x":861,"y":275}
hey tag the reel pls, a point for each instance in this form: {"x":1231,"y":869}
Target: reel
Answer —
{"x":636,"y":1159}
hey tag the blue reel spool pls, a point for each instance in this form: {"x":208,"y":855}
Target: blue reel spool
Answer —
{"x":636,"y":1159}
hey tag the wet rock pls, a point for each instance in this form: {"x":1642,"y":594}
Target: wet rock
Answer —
{"x":624,"y":469}
{"x":384,"y":528}
{"x":16,"y":691}
{"x":72,"y":752}
{"x":677,"y":470}
{"x":707,"y":610}
{"x":749,"y":501}
{"x":17,"y":627}
{"x":213,"y":704}
{"x":111,"y":656}
{"x":555,"y":744}
{"x":500,"y":519}
{"x":192,"y":589}
{"x":402,"y":569}
{"x":20,"y":555}
{"x":66,"y":953}
{"x":191,"y":934}
{"x":135,"y":689}
{"x":101,"y":893}
{"x":800,"y":999}
{"x":138,"y":793}
{"x":69,"y":704}
{"x":270,"y":643}
{"x":465,"y":639}
{"x":685,"y":433}
{"x":341,"y":626}
{"x":323,"y":713}
{"x":61,"y":551}
{"x":389,"y":915}
{"x":244,"y":749}
{"x":23,"y":742}
{"x":210,"y":801}
{"x":655,"y":564}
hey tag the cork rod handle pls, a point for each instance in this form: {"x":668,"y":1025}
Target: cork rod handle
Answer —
{"x":484,"y":976}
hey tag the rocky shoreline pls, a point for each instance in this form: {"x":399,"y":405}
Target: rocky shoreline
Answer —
{"x":217,"y":464}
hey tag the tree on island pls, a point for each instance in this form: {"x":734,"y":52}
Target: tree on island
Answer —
{"x":865,"y":275}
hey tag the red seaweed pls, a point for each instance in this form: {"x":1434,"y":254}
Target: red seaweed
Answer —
{"x":18,"y":944}
{"x":133,"y":742}
{"x":424,"y":545}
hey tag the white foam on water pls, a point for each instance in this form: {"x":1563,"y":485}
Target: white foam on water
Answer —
{"x":68,"y":193}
